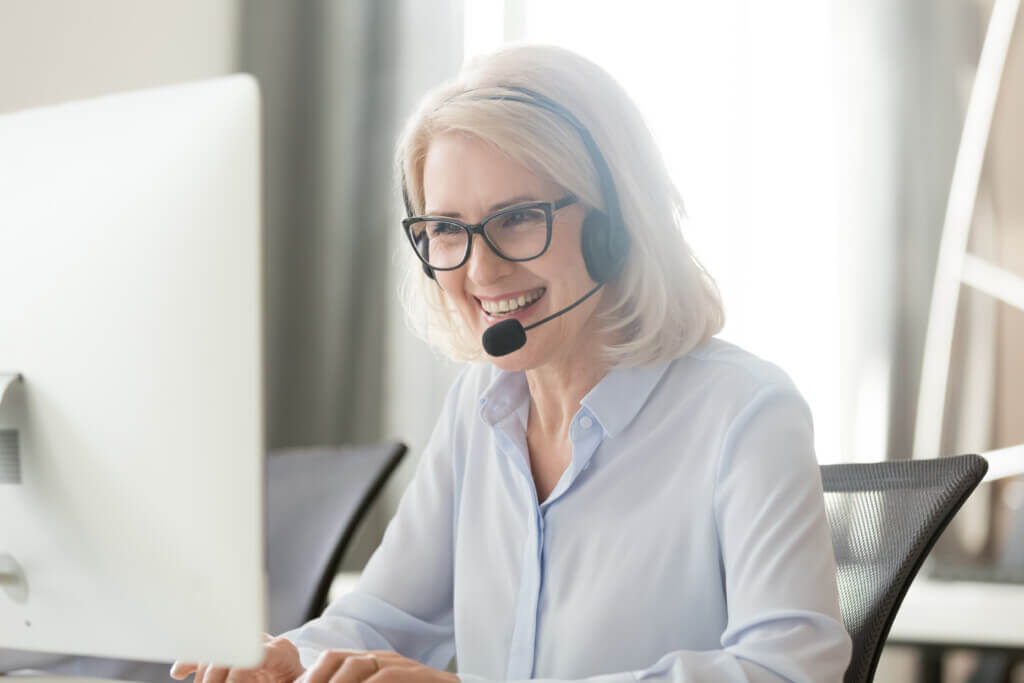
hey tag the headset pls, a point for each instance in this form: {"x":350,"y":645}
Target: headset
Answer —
{"x":604,"y":240}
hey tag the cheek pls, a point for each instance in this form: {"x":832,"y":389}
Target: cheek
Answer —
{"x":452,"y":286}
{"x":449,"y":283}
{"x":566,"y":249}
{"x":566,"y":265}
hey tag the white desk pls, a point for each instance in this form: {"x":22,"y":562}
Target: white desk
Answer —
{"x":964,"y":612}
{"x":961,"y":613}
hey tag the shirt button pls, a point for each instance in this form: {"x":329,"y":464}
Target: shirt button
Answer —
{"x":586,"y":422}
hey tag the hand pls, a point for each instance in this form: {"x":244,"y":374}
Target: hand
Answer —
{"x":378,"y":666}
{"x":280,"y":665}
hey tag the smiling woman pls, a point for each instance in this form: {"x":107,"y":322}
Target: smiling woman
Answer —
{"x":615,"y":496}
{"x":471,"y":177}
{"x":587,"y":142}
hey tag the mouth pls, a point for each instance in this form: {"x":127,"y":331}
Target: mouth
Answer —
{"x":512,"y":306}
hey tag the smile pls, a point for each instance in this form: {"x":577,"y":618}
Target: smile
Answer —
{"x":511,"y":305}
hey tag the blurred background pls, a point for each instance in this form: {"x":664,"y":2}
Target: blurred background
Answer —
{"x":814,"y":142}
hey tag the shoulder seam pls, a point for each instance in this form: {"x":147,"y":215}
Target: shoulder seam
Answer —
{"x":747,"y":370}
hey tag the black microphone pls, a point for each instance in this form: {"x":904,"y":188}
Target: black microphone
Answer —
{"x":509,"y":335}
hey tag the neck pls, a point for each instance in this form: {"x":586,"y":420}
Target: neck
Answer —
{"x":556,"y":390}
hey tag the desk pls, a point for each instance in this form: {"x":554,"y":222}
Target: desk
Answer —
{"x":961,"y":613}
{"x":936,"y":615}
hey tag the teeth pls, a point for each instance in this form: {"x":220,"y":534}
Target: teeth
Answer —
{"x":512,"y":303}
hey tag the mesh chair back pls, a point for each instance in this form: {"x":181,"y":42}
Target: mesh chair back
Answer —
{"x":316,"y":498}
{"x":885,"y":518}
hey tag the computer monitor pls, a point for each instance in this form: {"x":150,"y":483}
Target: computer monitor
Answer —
{"x":132,"y":447}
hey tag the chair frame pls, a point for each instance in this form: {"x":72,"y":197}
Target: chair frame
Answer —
{"x":835,"y":479}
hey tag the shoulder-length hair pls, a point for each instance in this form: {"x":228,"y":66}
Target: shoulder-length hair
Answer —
{"x":663,"y":302}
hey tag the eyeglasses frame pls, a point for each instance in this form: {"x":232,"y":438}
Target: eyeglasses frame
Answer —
{"x":549,"y":209}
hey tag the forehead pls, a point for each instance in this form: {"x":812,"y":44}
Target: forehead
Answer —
{"x":466,"y":175}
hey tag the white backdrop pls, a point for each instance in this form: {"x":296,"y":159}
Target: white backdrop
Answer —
{"x":739,"y":96}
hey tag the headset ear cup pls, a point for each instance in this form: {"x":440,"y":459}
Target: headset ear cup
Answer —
{"x":618,"y":249}
{"x":604,"y":247}
{"x":595,"y":245}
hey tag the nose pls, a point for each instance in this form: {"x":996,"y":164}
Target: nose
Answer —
{"x":484,"y":266}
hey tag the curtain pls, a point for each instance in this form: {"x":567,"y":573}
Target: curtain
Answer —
{"x":339,"y":77}
{"x":329,"y":77}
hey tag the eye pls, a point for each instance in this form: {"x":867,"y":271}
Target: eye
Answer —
{"x":521,"y":219}
{"x":441,"y":229}
{"x":515,"y":218}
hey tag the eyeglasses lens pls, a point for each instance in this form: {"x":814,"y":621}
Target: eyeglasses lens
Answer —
{"x":520,"y":234}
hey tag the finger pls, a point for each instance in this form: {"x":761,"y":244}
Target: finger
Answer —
{"x":201,"y":673}
{"x":403,"y":674}
{"x":283,"y":660}
{"x":357,"y":668}
{"x":247,"y":676}
{"x":326,"y":665}
{"x":182,"y":670}
{"x":216,"y":674}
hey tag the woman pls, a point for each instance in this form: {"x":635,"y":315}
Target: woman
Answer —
{"x":615,"y":495}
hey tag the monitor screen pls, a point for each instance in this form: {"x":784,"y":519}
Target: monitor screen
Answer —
{"x":131,"y":423}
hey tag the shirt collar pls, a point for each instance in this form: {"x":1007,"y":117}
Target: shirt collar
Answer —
{"x":506,"y":392}
{"x":618,"y":398}
{"x":614,"y":402}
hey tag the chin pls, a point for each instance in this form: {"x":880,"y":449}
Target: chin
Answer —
{"x":517,"y":361}
{"x":536,"y":353}
{"x":525,"y":358}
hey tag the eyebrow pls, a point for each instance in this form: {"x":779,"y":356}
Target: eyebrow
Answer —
{"x":518,"y":199}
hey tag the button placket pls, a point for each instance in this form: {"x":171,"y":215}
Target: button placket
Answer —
{"x":523,"y":648}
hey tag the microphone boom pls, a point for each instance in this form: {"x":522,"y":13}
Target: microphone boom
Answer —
{"x":509,"y":335}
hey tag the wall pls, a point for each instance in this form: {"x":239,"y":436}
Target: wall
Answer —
{"x":56,"y":50}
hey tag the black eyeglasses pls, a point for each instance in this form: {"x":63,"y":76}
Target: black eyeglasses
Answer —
{"x":518,"y":233}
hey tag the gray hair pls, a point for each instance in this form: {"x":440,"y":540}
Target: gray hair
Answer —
{"x":663,"y":303}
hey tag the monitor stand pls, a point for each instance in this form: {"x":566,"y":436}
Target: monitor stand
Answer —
{"x":12,"y":578}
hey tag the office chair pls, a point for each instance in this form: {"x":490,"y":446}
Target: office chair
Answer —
{"x":316,"y":498}
{"x":885,"y":517}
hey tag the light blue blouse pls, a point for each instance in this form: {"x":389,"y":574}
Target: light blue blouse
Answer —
{"x":686,"y":541}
